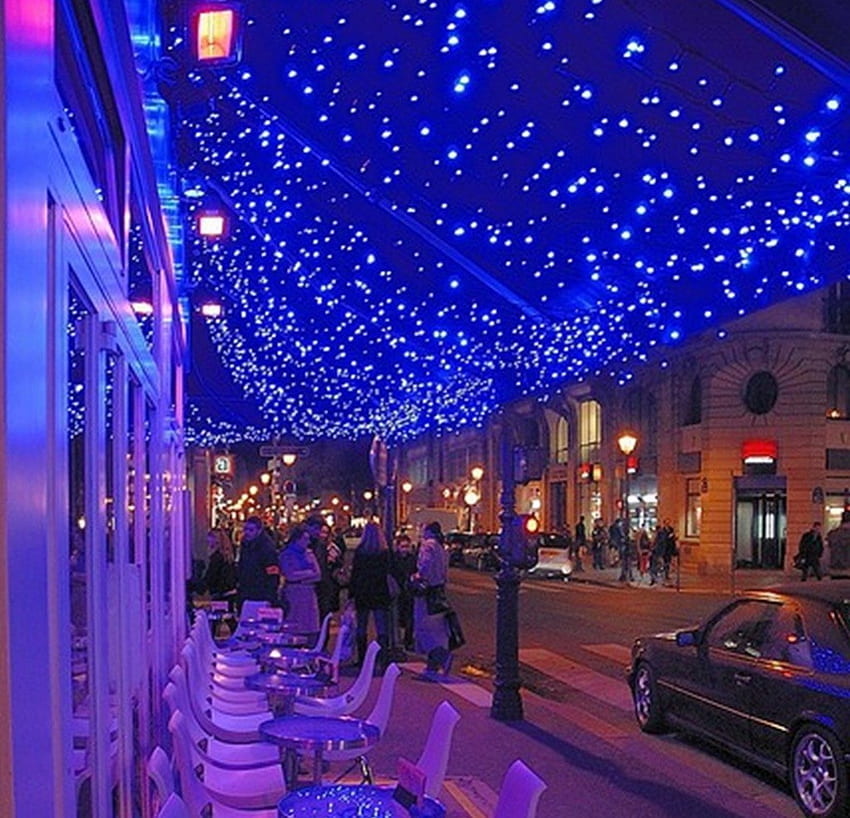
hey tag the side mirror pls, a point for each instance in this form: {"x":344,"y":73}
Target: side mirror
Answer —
{"x":686,"y":639}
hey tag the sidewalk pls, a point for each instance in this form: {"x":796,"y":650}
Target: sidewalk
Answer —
{"x":729,"y":583}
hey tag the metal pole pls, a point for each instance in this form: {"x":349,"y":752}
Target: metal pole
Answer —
{"x":507,"y":703}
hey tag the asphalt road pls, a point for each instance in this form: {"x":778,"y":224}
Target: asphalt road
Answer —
{"x":579,"y":731}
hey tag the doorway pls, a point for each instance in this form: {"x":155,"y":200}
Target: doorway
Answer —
{"x":760,"y":523}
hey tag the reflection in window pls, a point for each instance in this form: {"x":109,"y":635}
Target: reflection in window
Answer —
{"x":838,"y":393}
{"x":79,"y":553}
{"x":743,"y":629}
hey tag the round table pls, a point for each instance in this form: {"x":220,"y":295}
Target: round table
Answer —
{"x":316,"y":734}
{"x":286,"y":657}
{"x":342,"y":801}
{"x":282,"y":688}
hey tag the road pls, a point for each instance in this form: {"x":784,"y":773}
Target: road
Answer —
{"x":579,"y":731}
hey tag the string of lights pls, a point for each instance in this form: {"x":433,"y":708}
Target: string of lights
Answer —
{"x":437,"y":207}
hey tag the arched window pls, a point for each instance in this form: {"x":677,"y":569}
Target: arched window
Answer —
{"x":692,"y":405}
{"x":589,"y":430}
{"x":838,"y":393}
{"x":562,"y":440}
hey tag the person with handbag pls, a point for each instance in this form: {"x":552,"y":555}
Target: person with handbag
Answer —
{"x":430,"y":603}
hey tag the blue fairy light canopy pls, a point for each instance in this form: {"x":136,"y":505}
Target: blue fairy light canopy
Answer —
{"x":435,"y":207}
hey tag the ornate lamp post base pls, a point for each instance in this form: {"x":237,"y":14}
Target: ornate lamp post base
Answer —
{"x":507,"y":703}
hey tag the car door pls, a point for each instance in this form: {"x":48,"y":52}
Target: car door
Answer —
{"x":777,"y":688}
{"x":712,"y":677}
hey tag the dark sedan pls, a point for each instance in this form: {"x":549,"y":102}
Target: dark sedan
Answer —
{"x":767,"y":677}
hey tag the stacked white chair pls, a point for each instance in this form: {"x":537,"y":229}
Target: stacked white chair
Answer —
{"x":161,"y":775}
{"x":519,"y":792}
{"x":204,"y":780}
{"x":245,"y":753}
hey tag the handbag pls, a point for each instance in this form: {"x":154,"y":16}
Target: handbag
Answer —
{"x":436,"y":600}
{"x":456,"y":637}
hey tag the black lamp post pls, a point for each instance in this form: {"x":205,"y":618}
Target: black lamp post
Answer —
{"x":627,"y":442}
{"x":507,"y":703}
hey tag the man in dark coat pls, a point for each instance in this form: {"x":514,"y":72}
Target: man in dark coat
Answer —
{"x":258,"y":569}
{"x":809,"y":552}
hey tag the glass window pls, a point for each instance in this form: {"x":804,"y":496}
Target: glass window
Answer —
{"x":761,"y":393}
{"x":589,"y":430}
{"x":692,"y":408}
{"x":838,"y":393}
{"x":743,"y":628}
{"x":693,"y":509}
{"x":786,"y":639}
{"x":562,"y":440}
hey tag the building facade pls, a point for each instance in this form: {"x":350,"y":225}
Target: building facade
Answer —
{"x":742,"y":440}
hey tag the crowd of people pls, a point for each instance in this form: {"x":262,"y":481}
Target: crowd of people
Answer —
{"x":390,"y":585}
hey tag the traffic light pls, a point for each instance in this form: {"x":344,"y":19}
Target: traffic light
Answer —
{"x":520,"y":547}
{"x":289,"y":488}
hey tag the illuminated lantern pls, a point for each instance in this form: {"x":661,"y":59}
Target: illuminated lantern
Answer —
{"x":211,"y":225}
{"x":216,"y":34}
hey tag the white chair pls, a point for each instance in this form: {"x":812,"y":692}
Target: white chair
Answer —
{"x":317,"y":648}
{"x":251,"y":609}
{"x":161,"y":775}
{"x":435,"y":754}
{"x":245,"y":753}
{"x":248,"y":708}
{"x":347,"y":702}
{"x":239,"y":718}
{"x":379,"y":716}
{"x":519,"y":792}
{"x":259,"y":787}
{"x":174,"y":807}
{"x":230,"y":661}
{"x":222,"y":728}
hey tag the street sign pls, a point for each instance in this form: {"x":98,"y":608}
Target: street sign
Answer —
{"x":277,"y":449}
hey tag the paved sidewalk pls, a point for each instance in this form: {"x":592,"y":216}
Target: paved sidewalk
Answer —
{"x":730,"y":582}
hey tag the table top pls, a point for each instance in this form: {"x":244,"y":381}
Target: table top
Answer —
{"x":284,"y":638}
{"x":292,"y":683}
{"x":342,"y":801}
{"x":320,"y":732}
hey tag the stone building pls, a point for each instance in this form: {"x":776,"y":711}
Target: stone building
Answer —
{"x":743,"y":440}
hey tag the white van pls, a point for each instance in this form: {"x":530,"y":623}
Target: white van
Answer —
{"x":553,"y":557}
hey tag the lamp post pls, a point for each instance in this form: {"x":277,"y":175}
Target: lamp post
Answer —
{"x":627,"y":442}
{"x":406,"y":488}
{"x":471,"y":498}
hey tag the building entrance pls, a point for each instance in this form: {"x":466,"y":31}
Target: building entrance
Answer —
{"x":760,"y":522}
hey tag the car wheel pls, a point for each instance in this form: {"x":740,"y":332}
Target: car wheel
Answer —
{"x":648,"y":710}
{"x":818,"y":776}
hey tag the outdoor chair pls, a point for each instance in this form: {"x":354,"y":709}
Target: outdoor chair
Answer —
{"x":259,"y":787}
{"x":435,"y":754}
{"x":161,"y":775}
{"x":379,"y":716}
{"x":519,"y":793}
{"x":347,"y":702}
{"x":174,"y":807}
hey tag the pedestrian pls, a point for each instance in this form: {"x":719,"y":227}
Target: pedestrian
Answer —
{"x":301,"y":573}
{"x":403,"y":567}
{"x":838,"y":541}
{"x":328,"y":558}
{"x":580,"y":543}
{"x":665,"y":548}
{"x":644,"y":549}
{"x":429,"y":581}
{"x":620,"y":539}
{"x":598,"y":543}
{"x":259,"y":574}
{"x":221,"y":579}
{"x":809,"y":552}
{"x":369,"y":589}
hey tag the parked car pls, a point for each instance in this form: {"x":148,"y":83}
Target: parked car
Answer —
{"x":767,"y":677}
{"x":482,"y":552}
{"x":455,"y":541}
{"x":553,"y":556}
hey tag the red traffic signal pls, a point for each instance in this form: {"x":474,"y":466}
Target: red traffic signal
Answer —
{"x":530,"y":524}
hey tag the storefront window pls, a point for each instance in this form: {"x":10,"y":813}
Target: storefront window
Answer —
{"x":693,"y":511}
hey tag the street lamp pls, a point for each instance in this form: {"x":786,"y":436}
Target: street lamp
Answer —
{"x":627,"y":442}
{"x":471,"y":498}
{"x":476,"y":472}
{"x":289,"y":458}
{"x":406,"y":488}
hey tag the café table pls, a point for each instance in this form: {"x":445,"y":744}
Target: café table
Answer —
{"x":316,"y":735}
{"x":359,"y":801}
{"x":283,"y":688}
